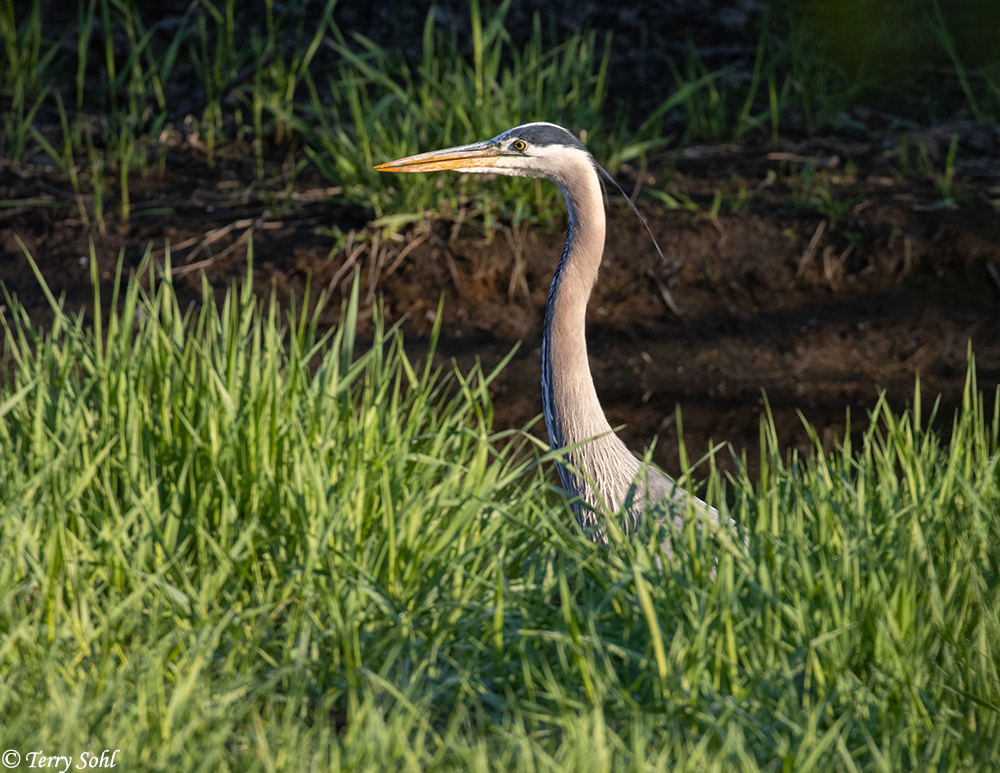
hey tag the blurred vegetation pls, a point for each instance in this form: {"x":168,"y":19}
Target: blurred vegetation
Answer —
{"x":923,"y":58}
{"x":110,"y":91}
{"x":893,"y":36}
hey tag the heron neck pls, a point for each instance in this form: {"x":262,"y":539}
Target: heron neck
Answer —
{"x":572,"y":410}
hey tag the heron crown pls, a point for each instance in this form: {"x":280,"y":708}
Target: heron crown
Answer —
{"x":540,"y":135}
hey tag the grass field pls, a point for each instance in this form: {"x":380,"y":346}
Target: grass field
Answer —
{"x":227,"y":544}
{"x":231,"y":540}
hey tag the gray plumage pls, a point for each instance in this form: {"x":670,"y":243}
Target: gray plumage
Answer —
{"x":609,"y":472}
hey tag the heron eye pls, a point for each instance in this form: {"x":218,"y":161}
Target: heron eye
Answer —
{"x":519,"y":145}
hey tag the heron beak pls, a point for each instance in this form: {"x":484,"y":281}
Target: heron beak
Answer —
{"x":477,"y":156}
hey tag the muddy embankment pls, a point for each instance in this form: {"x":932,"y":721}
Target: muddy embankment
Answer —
{"x":820,"y":289}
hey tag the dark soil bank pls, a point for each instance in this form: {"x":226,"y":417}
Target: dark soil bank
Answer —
{"x":775,"y":298}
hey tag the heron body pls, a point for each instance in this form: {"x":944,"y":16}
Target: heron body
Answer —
{"x":598,"y":469}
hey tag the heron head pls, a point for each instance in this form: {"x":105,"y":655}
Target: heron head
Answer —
{"x":531,"y":150}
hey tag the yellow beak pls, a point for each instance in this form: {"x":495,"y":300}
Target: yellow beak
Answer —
{"x":475,"y":156}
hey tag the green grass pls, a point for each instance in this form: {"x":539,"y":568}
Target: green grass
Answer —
{"x":228,"y":541}
{"x":286,"y":85}
{"x":381,"y":109}
{"x":822,"y":191}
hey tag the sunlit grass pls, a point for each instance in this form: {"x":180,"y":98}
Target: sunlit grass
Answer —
{"x":228,"y":539}
{"x":381,"y":109}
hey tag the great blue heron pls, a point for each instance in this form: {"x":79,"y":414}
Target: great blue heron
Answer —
{"x":610,"y":473}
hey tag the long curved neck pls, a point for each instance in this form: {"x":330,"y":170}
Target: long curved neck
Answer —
{"x":572,"y":411}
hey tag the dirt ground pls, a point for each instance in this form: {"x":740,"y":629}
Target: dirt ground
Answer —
{"x":775,"y":298}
